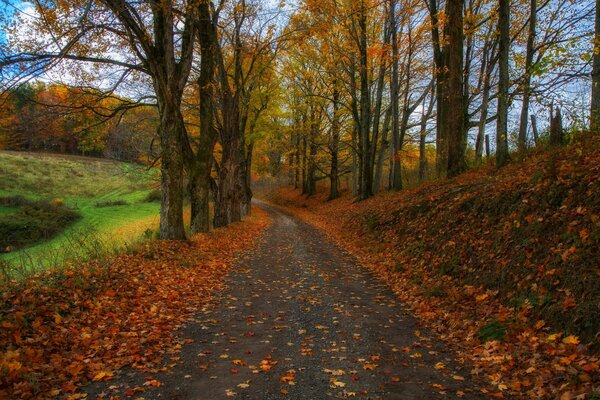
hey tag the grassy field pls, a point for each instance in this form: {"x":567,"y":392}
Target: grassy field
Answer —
{"x":90,"y":186}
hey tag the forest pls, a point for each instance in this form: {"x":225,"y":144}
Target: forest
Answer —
{"x":381,"y":124}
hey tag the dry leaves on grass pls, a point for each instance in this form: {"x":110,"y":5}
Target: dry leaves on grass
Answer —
{"x":63,"y":329}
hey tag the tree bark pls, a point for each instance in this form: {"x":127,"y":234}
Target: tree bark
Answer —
{"x":395,"y":162}
{"x":454,"y":88}
{"x":522,"y":142}
{"x":171,"y":167}
{"x":334,"y":146}
{"x":200,"y":171}
{"x":595,"y":105}
{"x":365,"y":188}
{"x":502,"y":156}
{"x":440,"y":61}
{"x":381,"y":156}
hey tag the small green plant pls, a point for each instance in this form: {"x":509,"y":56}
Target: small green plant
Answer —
{"x":399,"y":267}
{"x":436,"y":291}
{"x":492,"y":331}
{"x":449,"y":267}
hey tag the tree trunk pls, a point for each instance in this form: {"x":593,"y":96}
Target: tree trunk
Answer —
{"x":595,"y":106}
{"x":171,"y":207}
{"x":454,"y":88}
{"x":311,"y":184}
{"x":395,"y":162}
{"x":200,"y":171}
{"x":304,"y":166}
{"x":381,"y":156}
{"x":423,"y":167}
{"x":334,"y":146}
{"x":502,"y":121}
{"x":440,"y":72}
{"x":536,"y":136}
{"x":228,"y":207}
{"x":556,"y":129}
{"x":365,"y":188}
{"x":246,"y":175}
{"x":522,"y":143}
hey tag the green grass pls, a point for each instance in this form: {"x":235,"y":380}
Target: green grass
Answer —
{"x":6,"y":210}
{"x":81,"y":183}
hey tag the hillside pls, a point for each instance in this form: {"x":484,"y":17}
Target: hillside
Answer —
{"x":111,"y":196}
{"x":502,"y":264}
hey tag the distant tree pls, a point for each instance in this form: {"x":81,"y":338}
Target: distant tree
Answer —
{"x":595,"y":104}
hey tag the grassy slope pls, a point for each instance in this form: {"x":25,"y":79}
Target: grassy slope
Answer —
{"x":515,"y":249}
{"x":82,"y":182}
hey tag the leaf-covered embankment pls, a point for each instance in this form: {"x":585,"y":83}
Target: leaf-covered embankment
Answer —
{"x":63,"y":329}
{"x":502,"y":264}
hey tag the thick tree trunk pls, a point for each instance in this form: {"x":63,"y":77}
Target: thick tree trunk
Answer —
{"x":454,"y":88}
{"x":200,"y":171}
{"x":171,"y":207}
{"x":522,"y":143}
{"x":502,"y":121}
{"x":595,"y":106}
{"x":228,"y":207}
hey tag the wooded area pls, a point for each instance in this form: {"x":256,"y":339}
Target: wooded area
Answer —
{"x":370,"y":95}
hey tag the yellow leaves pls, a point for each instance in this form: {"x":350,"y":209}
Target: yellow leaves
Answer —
{"x":334,"y":372}
{"x":238,"y":362}
{"x":337,"y":383}
{"x":102,"y":376}
{"x":554,"y":336}
{"x":571,"y":340}
{"x":439,"y":365}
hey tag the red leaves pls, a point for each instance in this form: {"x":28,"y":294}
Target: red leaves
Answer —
{"x":67,"y":328}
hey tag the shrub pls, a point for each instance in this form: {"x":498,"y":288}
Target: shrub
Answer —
{"x":34,"y":221}
{"x":111,"y":203}
{"x":492,"y":331}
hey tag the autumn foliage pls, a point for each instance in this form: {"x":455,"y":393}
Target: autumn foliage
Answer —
{"x":502,"y":264}
{"x":63,"y":329}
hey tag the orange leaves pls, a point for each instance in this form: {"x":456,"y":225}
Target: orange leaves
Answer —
{"x":95,"y":320}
